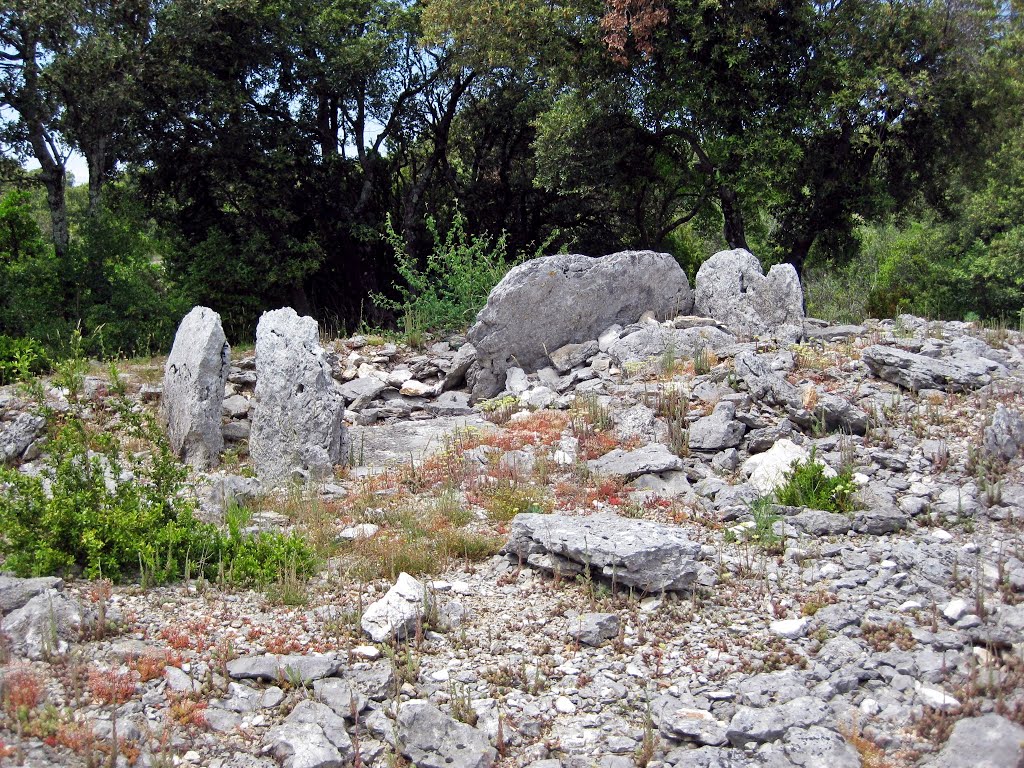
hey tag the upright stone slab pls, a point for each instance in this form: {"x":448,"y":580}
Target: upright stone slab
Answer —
{"x":193,"y":393}
{"x":544,"y":304}
{"x":732,"y":288}
{"x":297,"y":419}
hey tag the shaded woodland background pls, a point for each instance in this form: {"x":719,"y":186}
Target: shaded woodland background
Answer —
{"x":349,"y":157}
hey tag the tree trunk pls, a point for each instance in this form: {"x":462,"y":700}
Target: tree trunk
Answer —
{"x":733,"y":230}
{"x":53,"y":176}
{"x":96,"y":159}
{"x":798,"y":251}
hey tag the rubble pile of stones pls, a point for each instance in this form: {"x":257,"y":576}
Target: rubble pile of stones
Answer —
{"x":643,"y":628}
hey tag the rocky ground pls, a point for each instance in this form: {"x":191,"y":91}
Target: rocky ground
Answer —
{"x":640,"y":612}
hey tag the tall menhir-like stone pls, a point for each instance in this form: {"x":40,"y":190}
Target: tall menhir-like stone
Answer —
{"x":297,"y":421}
{"x":193,"y":394}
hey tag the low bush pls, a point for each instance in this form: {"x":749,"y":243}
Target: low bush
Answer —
{"x":105,"y":514}
{"x":21,"y":359}
{"x":448,"y":291}
{"x":807,"y":485}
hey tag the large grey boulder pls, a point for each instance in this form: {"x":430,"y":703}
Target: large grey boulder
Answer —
{"x":732,"y":288}
{"x":678,"y":720}
{"x":46,"y":625}
{"x":193,"y":394}
{"x":772,"y":723}
{"x":432,"y":739}
{"x":915,"y":372}
{"x":303,"y":745}
{"x":18,"y":434}
{"x":297,"y":422}
{"x":989,"y":741}
{"x":15,"y":592}
{"x":818,"y":746}
{"x":544,"y":304}
{"x":634,"y":553}
{"x":1004,"y":437}
{"x":718,"y":430}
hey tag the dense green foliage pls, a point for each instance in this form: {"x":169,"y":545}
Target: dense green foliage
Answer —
{"x":103,"y":512}
{"x":807,"y":485}
{"x":109,"y":285}
{"x":247,"y":154}
{"x":21,"y":359}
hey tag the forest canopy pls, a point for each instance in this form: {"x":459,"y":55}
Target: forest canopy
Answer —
{"x":249,"y":154}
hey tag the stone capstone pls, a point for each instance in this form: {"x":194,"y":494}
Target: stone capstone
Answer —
{"x":286,"y":668}
{"x":544,"y":304}
{"x":193,"y":392}
{"x":297,"y":419}
{"x":432,"y":739}
{"x":653,"y":458}
{"x":634,"y":553}
{"x":732,"y":288}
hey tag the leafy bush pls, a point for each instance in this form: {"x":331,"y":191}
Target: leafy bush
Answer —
{"x":106,"y":514}
{"x":806,"y":485}
{"x":20,"y":359}
{"x":459,"y":274}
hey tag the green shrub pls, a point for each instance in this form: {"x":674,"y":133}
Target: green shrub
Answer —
{"x":806,"y":485}
{"x":459,"y":274}
{"x":103,"y":513}
{"x":21,"y":359}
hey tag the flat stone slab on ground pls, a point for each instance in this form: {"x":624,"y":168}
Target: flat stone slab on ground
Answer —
{"x":388,"y":445}
{"x":432,"y":739}
{"x":634,"y":553}
{"x":652,"y":459}
{"x":273,"y":668}
{"x":915,"y":372}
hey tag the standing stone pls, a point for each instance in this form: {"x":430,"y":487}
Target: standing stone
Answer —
{"x":544,"y":304}
{"x":297,"y":419}
{"x":193,"y":394}
{"x":731,"y":288}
